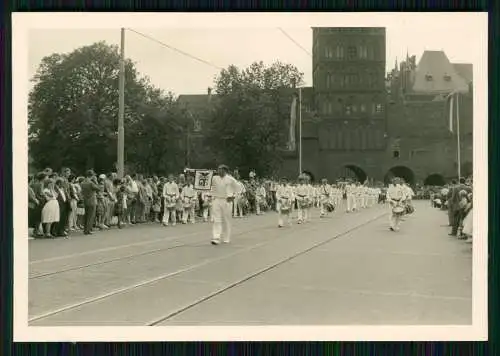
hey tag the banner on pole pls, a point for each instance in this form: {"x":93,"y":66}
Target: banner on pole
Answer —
{"x":203,"y":179}
{"x":293,"y":120}
{"x":450,"y":119}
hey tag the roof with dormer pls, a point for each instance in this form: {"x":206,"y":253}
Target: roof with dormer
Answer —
{"x":435,"y":74}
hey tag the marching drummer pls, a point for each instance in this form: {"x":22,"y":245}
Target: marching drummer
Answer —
{"x":396,"y":198}
{"x":188,"y":196}
{"x":285,"y":198}
{"x":325,"y":196}
{"x":170,"y":195}
{"x":302,"y":196}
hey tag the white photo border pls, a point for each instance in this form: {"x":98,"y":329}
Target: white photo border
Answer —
{"x":22,"y":23}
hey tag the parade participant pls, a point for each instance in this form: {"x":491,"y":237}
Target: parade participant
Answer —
{"x":350,"y":190}
{"x":273,"y":186}
{"x":325,"y":197}
{"x":409,"y":193}
{"x":337,"y":196}
{"x":188,"y":196}
{"x":206,"y":197}
{"x":285,"y":197}
{"x":224,"y":188}
{"x":170,"y":194}
{"x":311,"y":197}
{"x":239,"y":200}
{"x":90,"y":188}
{"x":302,"y":196}
{"x":260,"y":197}
{"x":179,"y":206}
{"x":396,"y":198}
{"x":358,"y":193}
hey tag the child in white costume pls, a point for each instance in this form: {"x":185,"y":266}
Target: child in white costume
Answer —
{"x":260,"y":197}
{"x":206,"y":198}
{"x":285,"y":198}
{"x":188,"y":197}
{"x":170,"y":194}
{"x":396,"y":196}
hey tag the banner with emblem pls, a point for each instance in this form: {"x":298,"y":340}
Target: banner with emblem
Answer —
{"x":203,"y":179}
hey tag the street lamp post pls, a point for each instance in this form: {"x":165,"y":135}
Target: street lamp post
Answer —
{"x":300,"y":131}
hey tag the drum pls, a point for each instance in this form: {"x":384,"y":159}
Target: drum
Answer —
{"x":170,"y":202}
{"x":398,"y":209}
{"x":285,"y":205}
{"x":187,"y":202}
{"x":302,"y":202}
{"x":329,"y":207}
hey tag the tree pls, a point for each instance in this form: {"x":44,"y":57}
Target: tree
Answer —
{"x":248,"y":126}
{"x":73,"y":110}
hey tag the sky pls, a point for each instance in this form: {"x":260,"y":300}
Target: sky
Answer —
{"x":246,"y":42}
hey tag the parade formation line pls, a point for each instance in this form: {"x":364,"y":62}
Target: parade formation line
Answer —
{"x":292,"y":233}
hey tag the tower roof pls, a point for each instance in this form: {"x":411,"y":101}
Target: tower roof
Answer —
{"x":435,"y":74}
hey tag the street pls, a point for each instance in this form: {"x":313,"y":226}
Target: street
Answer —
{"x":346,"y":269}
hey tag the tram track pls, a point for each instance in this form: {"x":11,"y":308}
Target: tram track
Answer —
{"x":145,"y":283}
{"x":197,"y":243}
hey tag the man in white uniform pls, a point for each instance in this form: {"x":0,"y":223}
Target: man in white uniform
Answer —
{"x":351,"y":196}
{"x":396,"y":199}
{"x":260,"y":197}
{"x":302,"y":196}
{"x":285,"y":198}
{"x":325,"y":197}
{"x":224,"y":189}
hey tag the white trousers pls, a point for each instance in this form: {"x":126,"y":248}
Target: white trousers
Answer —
{"x":221,"y":210}
{"x":169,"y":215}
{"x":238,"y":206}
{"x":258,"y":202}
{"x":302,"y":213}
{"x":188,"y":214}
{"x":284,"y":218}
{"x":351,"y":202}
{"x":322,"y":203}
{"x":207,"y":210}
{"x":394,"y":219}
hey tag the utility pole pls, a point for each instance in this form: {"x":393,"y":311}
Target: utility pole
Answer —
{"x":121,"y":110}
{"x":300,"y":131}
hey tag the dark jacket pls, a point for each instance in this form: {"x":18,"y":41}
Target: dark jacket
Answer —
{"x":89,"y":192}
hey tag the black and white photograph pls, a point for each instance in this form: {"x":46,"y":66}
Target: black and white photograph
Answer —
{"x":259,"y":176}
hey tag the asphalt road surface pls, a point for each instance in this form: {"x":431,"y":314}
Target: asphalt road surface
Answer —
{"x":346,"y":269}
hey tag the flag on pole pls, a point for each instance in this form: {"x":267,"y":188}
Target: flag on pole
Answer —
{"x":293,"y":121}
{"x":451,"y":116}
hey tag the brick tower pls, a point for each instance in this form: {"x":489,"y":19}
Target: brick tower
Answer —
{"x":349,"y":88}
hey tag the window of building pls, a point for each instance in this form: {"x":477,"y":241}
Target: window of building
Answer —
{"x":447,"y":77}
{"x":428,"y":77}
{"x":339,"y":52}
{"x":348,"y":109}
{"x":330,"y":107}
{"x":395,"y":154}
{"x":362,"y":108}
{"x":352,"y":52}
{"x":354,"y":108}
{"x":363,"y":53}
{"x":378,"y":108}
{"x":342,"y":81}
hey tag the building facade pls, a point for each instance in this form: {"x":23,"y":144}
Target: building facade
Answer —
{"x":361,"y":122}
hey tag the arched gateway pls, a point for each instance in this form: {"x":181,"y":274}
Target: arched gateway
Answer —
{"x":353,"y":172}
{"x":401,"y":172}
{"x":435,"y":180}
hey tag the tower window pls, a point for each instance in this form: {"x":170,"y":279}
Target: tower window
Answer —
{"x":395,"y":154}
{"x":352,"y":52}
{"x":339,"y":52}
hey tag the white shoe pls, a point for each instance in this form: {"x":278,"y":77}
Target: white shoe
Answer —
{"x":226,"y":241}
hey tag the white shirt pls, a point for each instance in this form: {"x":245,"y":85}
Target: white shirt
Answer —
{"x":261,"y":192}
{"x":170,"y":189}
{"x":325,"y":190}
{"x":133,"y":187}
{"x":301,"y":191}
{"x":224,"y":187}
{"x":188,"y":192}
{"x":396,"y":192}
{"x":284,"y":191}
